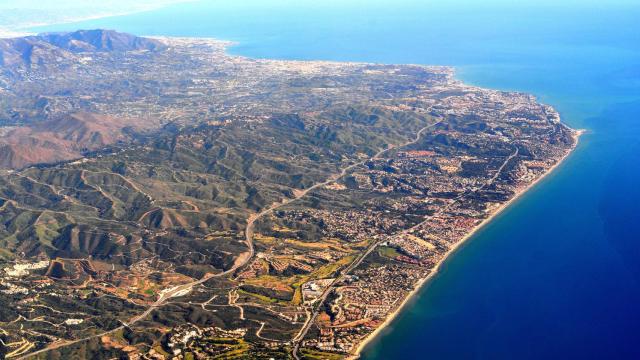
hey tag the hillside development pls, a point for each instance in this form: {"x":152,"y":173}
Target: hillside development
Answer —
{"x":162,"y":199}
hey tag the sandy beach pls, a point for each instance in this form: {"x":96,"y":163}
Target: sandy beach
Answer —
{"x":434,"y":271}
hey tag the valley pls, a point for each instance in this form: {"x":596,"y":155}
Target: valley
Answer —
{"x":161,"y":198}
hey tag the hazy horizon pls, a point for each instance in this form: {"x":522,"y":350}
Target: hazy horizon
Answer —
{"x":14,"y":13}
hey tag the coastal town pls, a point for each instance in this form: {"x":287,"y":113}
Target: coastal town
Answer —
{"x":240,"y":208}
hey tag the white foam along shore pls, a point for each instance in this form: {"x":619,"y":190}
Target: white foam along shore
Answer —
{"x":391,"y":316}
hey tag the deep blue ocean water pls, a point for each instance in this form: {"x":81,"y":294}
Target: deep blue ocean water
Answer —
{"x":557,"y":275}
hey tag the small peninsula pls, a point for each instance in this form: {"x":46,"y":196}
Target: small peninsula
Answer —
{"x":162,"y":199}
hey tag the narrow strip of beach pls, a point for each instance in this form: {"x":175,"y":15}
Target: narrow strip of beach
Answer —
{"x":389,"y":319}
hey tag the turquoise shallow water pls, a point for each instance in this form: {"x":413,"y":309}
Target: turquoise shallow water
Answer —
{"x":557,"y":275}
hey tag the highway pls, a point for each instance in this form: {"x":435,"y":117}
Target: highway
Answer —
{"x":245,"y":258}
{"x":305,"y":328}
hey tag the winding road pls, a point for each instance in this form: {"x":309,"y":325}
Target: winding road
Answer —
{"x":245,"y":258}
{"x":297,"y":340}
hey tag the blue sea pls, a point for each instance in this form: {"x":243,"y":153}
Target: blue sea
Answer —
{"x":555,"y":276}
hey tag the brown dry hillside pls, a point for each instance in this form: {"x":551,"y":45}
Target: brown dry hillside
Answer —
{"x":62,"y":138}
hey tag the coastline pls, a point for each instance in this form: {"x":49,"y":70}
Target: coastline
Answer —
{"x":418,"y":286}
{"x":26,"y":28}
{"x":391,"y":316}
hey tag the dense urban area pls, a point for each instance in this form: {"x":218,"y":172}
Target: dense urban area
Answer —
{"x":162,"y":199}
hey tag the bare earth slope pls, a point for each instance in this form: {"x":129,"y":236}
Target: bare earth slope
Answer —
{"x":62,"y":138}
{"x":161,"y":197}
